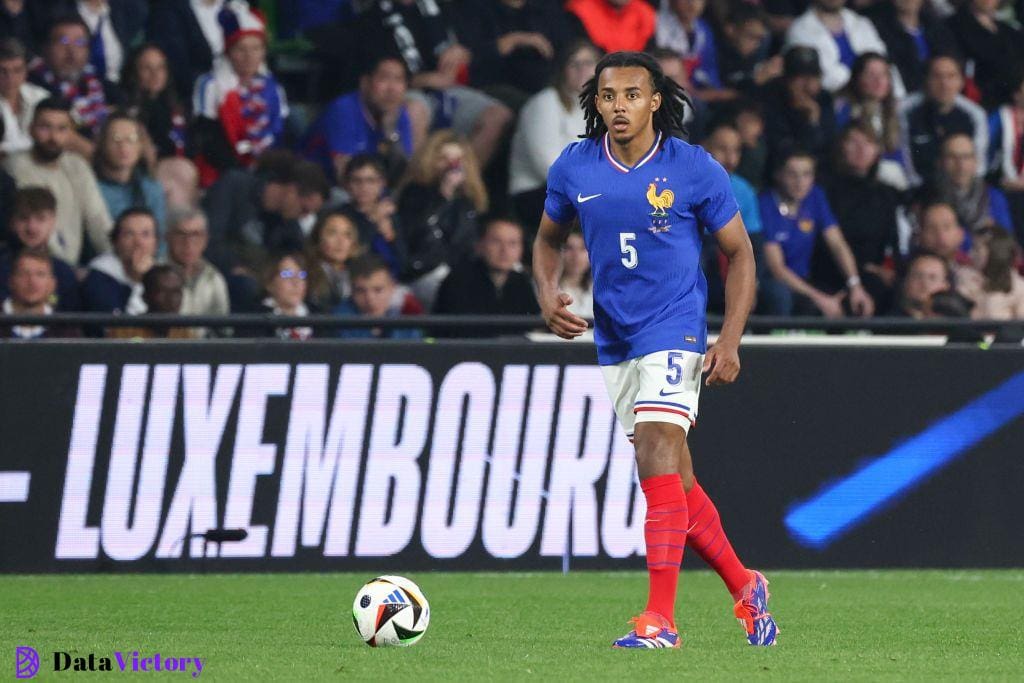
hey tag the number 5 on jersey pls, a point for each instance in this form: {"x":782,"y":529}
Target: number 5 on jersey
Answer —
{"x":630,"y":259}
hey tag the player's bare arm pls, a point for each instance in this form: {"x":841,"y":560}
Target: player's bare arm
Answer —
{"x":723,"y":359}
{"x":861,"y":302}
{"x":547,"y":266}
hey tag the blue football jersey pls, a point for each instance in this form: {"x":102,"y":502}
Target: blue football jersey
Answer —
{"x":643,"y":226}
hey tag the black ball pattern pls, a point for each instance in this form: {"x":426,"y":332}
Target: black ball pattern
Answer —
{"x":365,"y":601}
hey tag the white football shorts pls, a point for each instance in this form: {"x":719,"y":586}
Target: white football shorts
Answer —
{"x":663,"y":386}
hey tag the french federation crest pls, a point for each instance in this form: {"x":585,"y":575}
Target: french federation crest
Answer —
{"x":660,"y":201}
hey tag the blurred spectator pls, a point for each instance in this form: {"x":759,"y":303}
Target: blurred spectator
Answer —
{"x":65,"y":72}
{"x":115,"y":26}
{"x":994,"y":48}
{"x":797,"y":109}
{"x":838,"y":35}
{"x":490,"y":283}
{"x":372,"y":120}
{"x":179,"y":179}
{"x":514,"y":44}
{"x":375,"y":295}
{"x":744,"y":64}
{"x":18,"y":97}
{"x":7,"y":189}
{"x":420,"y":33}
{"x":81,"y":210}
{"x":205,"y":290}
{"x":374,"y":212}
{"x":927,"y":275}
{"x":121,"y":172}
{"x":26,"y":20}
{"x":33,"y":224}
{"x":992,"y":283}
{"x":868,"y":96}
{"x":114,"y":281}
{"x":794,"y":215}
{"x":252,"y":215}
{"x":151,"y":98}
{"x":239,"y":102}
{"x":1007,"y":150}
{"x":866,"y":208}
{"x":912,"y":33}
{"x":725,"y":145}
{"x":681,"y":29}
{"x":285,"y":283}
{"x":313,"y":191}
{"x":163,"y":292}
{"x":333,"y":242}
{"x":749,"y":121}
{"x":439,"y":202}
{"x":941,"y":234}
{"x":577,"y":279}
{"x":940,"y":110}
{"x":978,"y":204}
{"x":548,"y":122}
{"x":615,"y":25}
{"x":190,"y":35}
{"x":31,"y":284}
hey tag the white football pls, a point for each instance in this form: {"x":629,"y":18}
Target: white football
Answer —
{"x":390,"y":610}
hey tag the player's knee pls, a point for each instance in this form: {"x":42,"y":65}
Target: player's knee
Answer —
{"x":686,"y":474}
{"x":656,"y":446}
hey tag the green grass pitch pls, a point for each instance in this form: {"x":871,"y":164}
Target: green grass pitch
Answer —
{"x":863,"y":625}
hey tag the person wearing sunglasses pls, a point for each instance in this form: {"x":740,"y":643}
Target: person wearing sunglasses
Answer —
{"x":65,"y":72}
{"x":285,"y":282}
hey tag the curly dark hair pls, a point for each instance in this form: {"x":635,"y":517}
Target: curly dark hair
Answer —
{"x":668,"y":119}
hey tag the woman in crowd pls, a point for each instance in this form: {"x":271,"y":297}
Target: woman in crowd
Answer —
{"x":152,"y":99}
{"x":548,"y":122}
{"x":577,"y":280}
{"x":440,"y":202}
{"x":869,"y":96}
{"x":333,"y":242}
{"x":993,"y":284}
{"x":866,"y":208}
{"x":285,"y":283}
{"x":121,"y":170}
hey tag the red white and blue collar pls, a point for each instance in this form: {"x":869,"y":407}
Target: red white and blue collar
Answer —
{"x":619,"y":166}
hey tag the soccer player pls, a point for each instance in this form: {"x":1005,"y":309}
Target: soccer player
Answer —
{"x":643,"y":196}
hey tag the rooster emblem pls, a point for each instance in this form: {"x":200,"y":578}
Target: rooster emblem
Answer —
{"x":661,"y":201}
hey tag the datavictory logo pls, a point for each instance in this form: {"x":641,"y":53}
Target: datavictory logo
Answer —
{"x":26,"y":662}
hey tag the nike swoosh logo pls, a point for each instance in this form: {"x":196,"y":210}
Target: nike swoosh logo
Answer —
{"x":580,"y":198}
{"x":671,"y":393}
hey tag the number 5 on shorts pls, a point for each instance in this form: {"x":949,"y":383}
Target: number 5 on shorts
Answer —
{"x":675,"y":375}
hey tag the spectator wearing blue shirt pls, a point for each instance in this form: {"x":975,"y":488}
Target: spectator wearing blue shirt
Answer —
{"x":681,"y":29}
{"x":793,"y":215}
{"x":121,"y":174}
{"x":371,"y":120}
{"x":375,"y":295}
{"x":725,"y":144}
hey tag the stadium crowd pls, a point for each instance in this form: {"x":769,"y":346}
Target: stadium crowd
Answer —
{"x":389,"y":157}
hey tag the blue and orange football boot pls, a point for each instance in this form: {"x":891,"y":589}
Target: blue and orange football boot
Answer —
{"x":752,"y":612}
{"x":650,"y":630}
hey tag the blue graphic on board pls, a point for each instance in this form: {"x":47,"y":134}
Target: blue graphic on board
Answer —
{"x":841,"y":506}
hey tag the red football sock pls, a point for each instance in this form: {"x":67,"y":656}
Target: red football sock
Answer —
{"x":665,"y":535}
{"x":707,"y":537}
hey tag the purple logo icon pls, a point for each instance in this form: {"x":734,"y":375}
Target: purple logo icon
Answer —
{"x":26,"y":662}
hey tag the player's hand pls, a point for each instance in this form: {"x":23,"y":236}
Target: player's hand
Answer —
{"x":861,"y":302}
{"x":723,"y":362}
{"x":559,"y":318}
